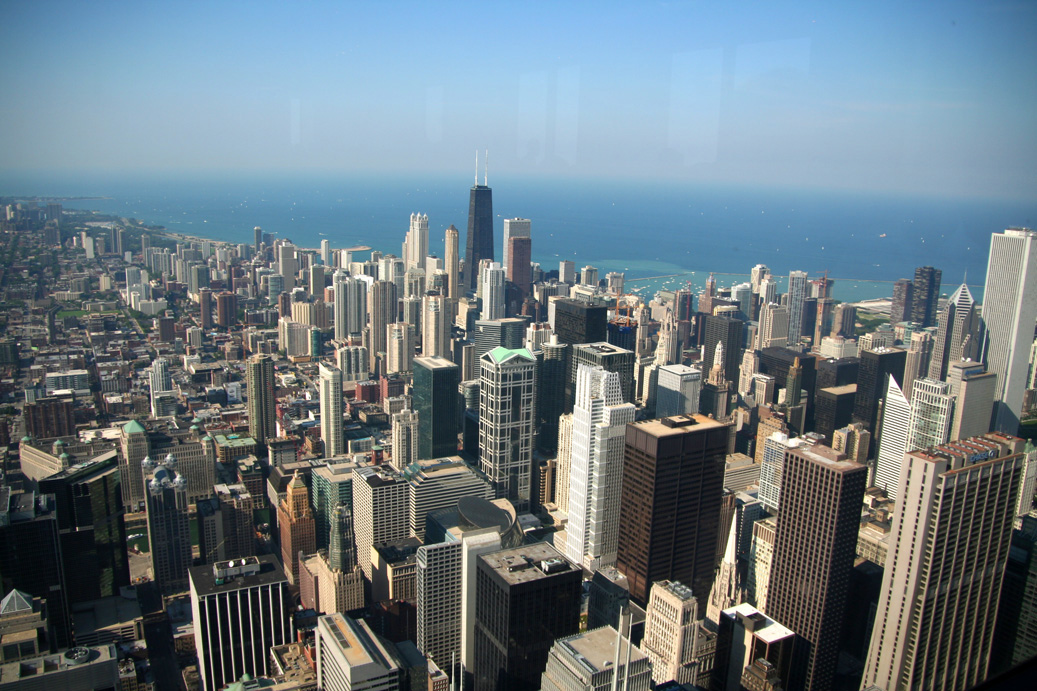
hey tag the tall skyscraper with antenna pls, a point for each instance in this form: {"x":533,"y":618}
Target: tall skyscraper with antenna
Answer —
{"x":479,"y":243}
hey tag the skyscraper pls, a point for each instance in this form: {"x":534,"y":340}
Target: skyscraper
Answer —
{"x":774,"y":326}
{"x":518,"y":263}
{"x":596,"y":468}
{"x":435,"y":326}
{"x":673,"y":480}
{"x":331,"y":410}
{"x":479,"y":242}
{"x":404,"y":438}
{"x":1009,"y":312}
{"x":797,"y":294}
{"x":959,"y":333}
{"x":678,"y":391}
{"x":383,"y":309}
{"x":939,"y":598}
{"x":341,"y":315}
{"x":673,"y":633}
{"x":871,"y":383}
{"x":493,"y":292}
{"x":507,"y":412}
{"x":514,"y":228}
{"x":896,"y":427}
{"x":91,"y":527}
{"x":240,"y":609}
{"x":903,"y":301}
{"x":351,"y":657}
{"x":525,"y":598}
{"x":435,"y":402}
{"x":452,"y":261}
{"x":259,"y":378}
{"x":399,"y":348}
{"x":814,"y":551}
{"x":168,"y":531}
{"x":588,"y":661}
{"x":287,"y":265}
{"x":925,"y":295}
{"x":298,"y":530}
{"x":416,"y":246}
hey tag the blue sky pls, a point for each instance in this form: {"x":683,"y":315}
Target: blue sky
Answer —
{"x":934,"y":98}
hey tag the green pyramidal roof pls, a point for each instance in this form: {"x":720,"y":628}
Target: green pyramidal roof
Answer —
{"x":134,"y":427}
{"x":500,"y":354}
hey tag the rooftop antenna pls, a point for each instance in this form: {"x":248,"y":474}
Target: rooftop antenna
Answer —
{"x":476,"y":167}
{"x":965,"y":280}
{"x":486,"y":167}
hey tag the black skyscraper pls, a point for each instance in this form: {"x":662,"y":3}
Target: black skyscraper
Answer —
{"x":926,"y":291}
{"x":479,"y":244}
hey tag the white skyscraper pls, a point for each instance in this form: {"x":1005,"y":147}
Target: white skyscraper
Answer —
{"x":514,"y":228}
{"x":325,"y":252}
{"x":677,"y":391}
{"x":404,"y":438}
{"x":797,"y":294}
{"x":435,"y":326}
{"x":507,"y":411}
{"x":1009,"y":312}
{"x":896,"y":426}
{"x":941,"y":584}
{"x":331,"y":410}
{"x":596,"y":468}
{"x":493,"y":292}
{"x":932,"y":411}
{"x":415,"y":248}
{"x":338,"y":282}
{"x":287,"y":265}
{"x":399,"y":348}
{"x":774,"y":326}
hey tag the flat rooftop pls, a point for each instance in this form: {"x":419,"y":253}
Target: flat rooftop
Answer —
{"x":204,"y":580}
{"x":826,"y":455}
{"x":60,"y":662}
{"x":597,"y":649}
{"x":523,"y":564}
{"x":766,"y":629}
{"x":677,"y":424}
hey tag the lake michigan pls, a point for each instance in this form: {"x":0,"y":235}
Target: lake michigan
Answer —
{"x":680,"y":232}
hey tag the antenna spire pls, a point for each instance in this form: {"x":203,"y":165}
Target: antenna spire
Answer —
{"x":476,"y":167}
{"x":486,"y":168}
{"x":965,"y":280}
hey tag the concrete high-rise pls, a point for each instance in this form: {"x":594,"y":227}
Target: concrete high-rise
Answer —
{"x":973,"y":390}
{"x":903,"y":302}
{"x":896,"y":427}
{"x":415,"y":248}
{"x":525,"y":598}
{"x":507,"y":412}
{"x":287,"y":265}
{"x":950,"y":540}
{"x":514,"y":228}
{"x":673,"y":636}
{"x":351,"y":657}
{"x":404,"y":438}
{"x":380,"y":510}
{"x":298,"y":529}
{"x":259,"y":379}
{"x":435,"y":401}
{"x":168,"y":532}
{"x":814,"y":552}
{"x":673,"y":480}
{"x":797,"y":293}
{"x":453,"y":262}
{"x":925,"y":295}
{"x":727,"y":331}
{"x":746,"y":638}
{"x":479,"y":242}
{"x":875,"y":365}
{"x":383,"y":308}
{"x":331,"y":410}
{"x":341,"y":314}
{"x":518,"y":267}
{"x":678,"y":390}
{"x":493,"y":292}
{"x":596,"y":468}
{"x":240,"y":609}
{"x":611,"y":358}
{"x":1009,"y":313}
{"x":593,"y":660}
{"x":958,"y":335}
{"x":774,"y":326}
{"x":399,"y":348}
{"x":435,"y":326}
